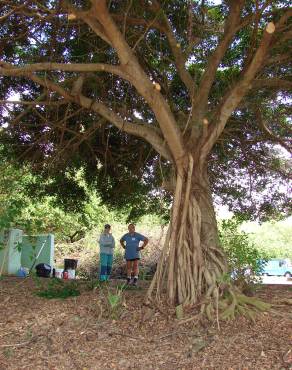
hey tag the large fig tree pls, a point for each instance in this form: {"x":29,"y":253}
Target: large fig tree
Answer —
{"x":196,"y":81}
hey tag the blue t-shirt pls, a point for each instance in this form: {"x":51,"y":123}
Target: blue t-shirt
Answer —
{"x":132,"y":245}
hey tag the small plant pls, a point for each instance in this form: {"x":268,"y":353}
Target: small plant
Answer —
{"x":246,"y":262}
{"x":37,"y":280}
{"x":8,"y":352}
{"x":29,"y":333}
{"x":145,"y":273}
{"x":93,"y":284}
{"x":56,"y":288}
{"x":115,"y":301}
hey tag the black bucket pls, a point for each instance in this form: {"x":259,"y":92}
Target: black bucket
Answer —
{"x":70,"y":264}
{"x":43,"y":270}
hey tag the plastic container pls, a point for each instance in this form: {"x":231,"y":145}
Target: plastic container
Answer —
{"x":59,"y":273}
{"x":70,"y":264}
{"x":22,"y":272}
{"x":71,"y":274}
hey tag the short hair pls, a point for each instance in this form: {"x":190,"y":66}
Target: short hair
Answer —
{"x":107,"y":226}
{"x":131,"y":224}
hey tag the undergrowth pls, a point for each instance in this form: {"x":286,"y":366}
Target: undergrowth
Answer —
{"x":57,"y":288}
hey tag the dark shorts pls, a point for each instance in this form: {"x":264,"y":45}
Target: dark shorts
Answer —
{"x":133,"y":259}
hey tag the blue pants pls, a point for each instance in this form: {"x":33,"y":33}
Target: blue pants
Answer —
{"x":106,"y":261}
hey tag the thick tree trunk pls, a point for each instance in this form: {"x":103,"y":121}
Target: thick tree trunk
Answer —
{"x":192,"y":262}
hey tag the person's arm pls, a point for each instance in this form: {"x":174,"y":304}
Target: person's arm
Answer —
{"x":145,"y":242}
{"x":122,"y":242}
{"x":113,"y":242}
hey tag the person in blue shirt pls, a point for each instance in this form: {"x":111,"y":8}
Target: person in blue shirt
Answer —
{"x":131,"y":243}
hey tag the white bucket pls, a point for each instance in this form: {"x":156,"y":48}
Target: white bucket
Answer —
{"x":59,"y":273}
{"x":71,"y":274}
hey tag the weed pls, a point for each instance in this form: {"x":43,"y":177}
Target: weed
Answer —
{"x":93,"y":284}
{"x":56,"y":288}
{"x":29,"y":333}
{"x":115,"y":301}
{"x":8,"y":352}
{"x":145,"y":273}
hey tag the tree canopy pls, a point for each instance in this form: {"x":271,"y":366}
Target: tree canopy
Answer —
{"x":81,"y":108}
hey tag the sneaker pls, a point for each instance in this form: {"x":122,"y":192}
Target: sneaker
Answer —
{"x":128,"y":281}
{"x":135,"y":282}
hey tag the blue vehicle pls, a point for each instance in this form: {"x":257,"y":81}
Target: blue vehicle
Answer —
{"x":278,"y":267}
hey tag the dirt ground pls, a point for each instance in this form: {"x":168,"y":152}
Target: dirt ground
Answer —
{"x":83,"y":333}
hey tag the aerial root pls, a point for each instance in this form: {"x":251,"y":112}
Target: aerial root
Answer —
{"x":233,"y":303}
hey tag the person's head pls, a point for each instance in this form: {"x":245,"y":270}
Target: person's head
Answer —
{"x":107,"y":228}
{"x":131,"y":228}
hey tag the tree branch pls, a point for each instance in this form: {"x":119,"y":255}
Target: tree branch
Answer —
{"x":33,"y":102}
{"x":12,"y":11}
{"x":11,"y":70}
{"x":87,"y":18}
{"x":274,"y":83}
{"x":175,"y":47}
{"x":270,"y":134}
{"x":278,"y":59}
{"x":251,"y":17}
{"x":138,"y":78}
{"x":145,"y":131}
{"x":138,"y":22}
{"x":233,"y":97}
{"x":215,"y":59}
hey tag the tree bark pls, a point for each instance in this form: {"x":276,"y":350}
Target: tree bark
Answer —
{"x":192,"y":262}
{"x":192,"y":266}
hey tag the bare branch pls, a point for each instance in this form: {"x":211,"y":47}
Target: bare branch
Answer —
{"x":145,"y":131}
{"x":34,"y":102}
{"x":282,"y":58}
{"x":179,"y":57}
{"x":12,"y":11}
{"x":215,"y":59}
{"x":78,"y":85}
{"x":96,"y":27}
{"x":76,"y":140}
{"x":132,"y":21}
{"x":274,"y":83}
{"x":87,"y":17}
{"x":11,"y":70}
{"x":251,"y":17}
{"x":27,"y":110}
{"x":233,"y":97}
{"x":151,"y":93}
{"x":270,"y":134}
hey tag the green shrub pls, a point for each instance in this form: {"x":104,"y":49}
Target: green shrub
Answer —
{"x":57,"y":288}
{"x":246,"y":262}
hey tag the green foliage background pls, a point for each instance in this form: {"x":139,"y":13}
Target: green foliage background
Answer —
{"x":274,"y":238}
{"x":244,"y":259}
{"x":24,"y":204}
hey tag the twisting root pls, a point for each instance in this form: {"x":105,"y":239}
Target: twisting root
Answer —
{"x":192,"y":264}
{"x":229,"y":303}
